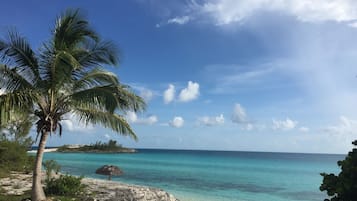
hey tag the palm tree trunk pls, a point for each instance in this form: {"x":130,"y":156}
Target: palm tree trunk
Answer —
{"x":37,"y":193}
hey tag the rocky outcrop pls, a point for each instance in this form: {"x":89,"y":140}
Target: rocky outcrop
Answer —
{"x":114,"y":191}
{"x":96,"y":190}
{"x":16,"y":184}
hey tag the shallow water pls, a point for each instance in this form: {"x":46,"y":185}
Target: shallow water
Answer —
{"x":213,"y":175}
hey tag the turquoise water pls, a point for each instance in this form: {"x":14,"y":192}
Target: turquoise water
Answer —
{"x":213,"y":175}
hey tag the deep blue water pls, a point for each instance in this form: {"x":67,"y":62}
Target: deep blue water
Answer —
{"x":213,"y":175}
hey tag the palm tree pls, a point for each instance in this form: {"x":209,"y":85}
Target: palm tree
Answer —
{"x":64,"y":77}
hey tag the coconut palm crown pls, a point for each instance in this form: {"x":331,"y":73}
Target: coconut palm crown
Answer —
{"x":65,"y":76}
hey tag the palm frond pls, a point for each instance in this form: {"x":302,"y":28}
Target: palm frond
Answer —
{"x":101,"y":97}
{"x":109,"y":120}
{"x":95,"y":77}
{"x":93,"y":53}
{"x":11,"y":80}
{"x":128,"y":100}
{"x":59,"y":67}
{"x":17,"y":52}
{"x":20,"y":101}
{"x":72,"y":28}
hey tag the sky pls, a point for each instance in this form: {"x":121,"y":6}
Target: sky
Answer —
{"x":264,"y":75}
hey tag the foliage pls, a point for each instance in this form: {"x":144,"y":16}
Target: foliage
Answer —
{"x":13,"y":197}
{"x":51,"y":166}
{"x":66,"y":76}
{"x":66,"y":185}
{"x":342,"y":187}
{"x":13,"y":157}
{"x":17,"y":128}
{"x":27,"y":195}
{"x":110,"y":146}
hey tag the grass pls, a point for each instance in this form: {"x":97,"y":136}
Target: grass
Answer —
{"x":14,"y":197}
{"x":28,"y":195}
{"x":4,"y":173}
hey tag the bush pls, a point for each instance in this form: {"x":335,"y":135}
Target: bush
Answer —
{"x":342,"y":187}
{"x":51,"y":166}
{"x":66,"y":185}
{"x":13,"y":157}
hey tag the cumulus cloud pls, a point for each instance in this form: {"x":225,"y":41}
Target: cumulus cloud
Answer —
{"x":211,"y":121}
{"x":169,"y":94}
{"x":239,"y":116}
{"x":179,"y":20}
{"x":133,"y":118}
{"x":191,"y":92}
{"x":177,"y":122}
{"x":107,"y":136}
{"x":285,"y":125}
{"x":345,"y":126}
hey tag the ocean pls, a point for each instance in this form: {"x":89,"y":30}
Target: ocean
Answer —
{"x":213,"y":175}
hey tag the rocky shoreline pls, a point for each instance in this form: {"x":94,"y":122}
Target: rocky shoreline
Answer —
{"x":96,"y":190}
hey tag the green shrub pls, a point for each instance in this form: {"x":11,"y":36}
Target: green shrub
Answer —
{"x":51,"y":166}
{"x":65,"y":185}
{"x":342,"y":187}
{"x":13,"y":157}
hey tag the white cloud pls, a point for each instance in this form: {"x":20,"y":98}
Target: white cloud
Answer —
{"x":353,"y":24}
{"x":72,"y":123}
{"x":169,"y":94}
{"x":2,"y":91}
{"x":179,"y":20}
{"x":107,"y":136}
{"x":146,"y":94}
{"x":191,"y":92}
{"x":239,"y":116}
{"x":177,"y":122}
{"x":225,"y":12}
{"x":287,"y":124}
{"x":211,"y":121}
{"x":248,"y":127}
{"x":133,"y":118}
{"x":345,"y":126}
{"x":304,"y":129}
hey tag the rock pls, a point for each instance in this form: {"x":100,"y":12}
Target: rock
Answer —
{"x":96,"y":190}
{"x":115,"y":191}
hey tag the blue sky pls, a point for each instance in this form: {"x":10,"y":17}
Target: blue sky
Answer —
{"x":265,"y":75}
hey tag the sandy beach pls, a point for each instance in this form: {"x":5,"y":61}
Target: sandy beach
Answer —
{"x":46,"y":150}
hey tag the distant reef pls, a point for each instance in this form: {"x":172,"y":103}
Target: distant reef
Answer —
{"x":99,"y":147}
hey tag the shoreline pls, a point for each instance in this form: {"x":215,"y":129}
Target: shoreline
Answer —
{"x":75,"y":150}
{"x":46,"y":150}
{"x":97,"y":189}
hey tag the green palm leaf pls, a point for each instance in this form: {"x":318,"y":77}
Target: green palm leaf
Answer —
{"x":17,"y":52}
{"x":12,"y":80}
{"x":94,"y":77}
{"x":108,"y":120}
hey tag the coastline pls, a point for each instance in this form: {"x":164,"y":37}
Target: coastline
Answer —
{"x":75,"y":149}
{"x":96,"y":189}
{"x":46,"y":150}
